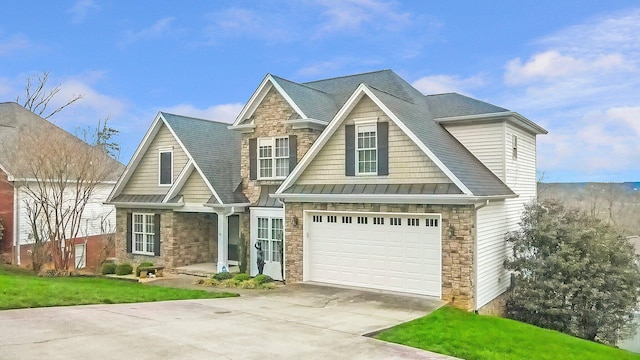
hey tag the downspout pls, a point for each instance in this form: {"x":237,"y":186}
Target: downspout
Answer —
{"x":16,"y":220}
{"x":475,"y":254}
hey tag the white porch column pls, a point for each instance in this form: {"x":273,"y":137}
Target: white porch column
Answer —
{"x":223,"y":242}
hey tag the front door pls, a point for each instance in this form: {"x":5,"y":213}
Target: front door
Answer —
{"x":267,"y":241}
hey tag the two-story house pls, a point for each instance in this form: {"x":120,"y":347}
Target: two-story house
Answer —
{"x":359,"y":180}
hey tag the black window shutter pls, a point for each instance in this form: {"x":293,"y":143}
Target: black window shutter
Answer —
{"x":293,"y":152}
{"x":383,"y":148}
{"x":253,"y":159}
{"x":156,"y":240}
{"x":129,"y":227}
{"x":350,"y":150}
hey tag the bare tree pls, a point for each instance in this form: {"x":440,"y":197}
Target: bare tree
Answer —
{"x":102,"y":136}
{"x":60,"y":174}
{"x":37,"y":97}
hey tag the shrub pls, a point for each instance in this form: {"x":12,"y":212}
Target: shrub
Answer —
{"x":124,"y":269}
{"x":242,"y":277}
{"x":143,"y":264}
{"x":223,"y":276}
{"x":108,"y":268}
{"x":262,"y":279}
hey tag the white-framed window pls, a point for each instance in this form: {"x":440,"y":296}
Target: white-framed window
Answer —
{"x":143,"y":233}
{"x":273,"y":158}
{"x":270,"y":235}
{"x":80,"y":256}
{"x":366,"y":149}
{"x":165,"y":167}
{"x":514,"y":147}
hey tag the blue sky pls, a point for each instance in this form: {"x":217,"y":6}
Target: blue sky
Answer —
{"x":572,"y":67}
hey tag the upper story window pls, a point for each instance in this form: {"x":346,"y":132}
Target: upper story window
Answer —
{"x":366,"y":150}
{"x":514,"y":146}
{"x":165,"y":170}
{"x":273,"y":158}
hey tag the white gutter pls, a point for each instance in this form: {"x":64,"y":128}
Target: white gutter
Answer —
{"x":391,"y":198}
{"x":144,"y":205}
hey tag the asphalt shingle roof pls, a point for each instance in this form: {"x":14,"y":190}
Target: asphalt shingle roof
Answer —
{"x":216,"y":151}
{"x":15,"y":120}
{"x":418,"y":112}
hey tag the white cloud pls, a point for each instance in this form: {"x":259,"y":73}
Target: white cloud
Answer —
{"x":159,"y":29}
{"x":552,"y":65}
{"x":582,"y":84}
{"x":354,"y":15}
{"x":81,"y":9}
{"x":223,"y":113}
{"x":234,"y":22}
{"x":14,"y":43}
{"x":439,"y":84}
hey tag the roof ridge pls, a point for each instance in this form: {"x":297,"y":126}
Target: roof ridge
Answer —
{"x":196,"y":118}
{"x":390,"y":94}
{"x":300,"y":84}
{"x":347,"y":76}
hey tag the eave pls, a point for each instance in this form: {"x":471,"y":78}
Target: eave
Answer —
{"x":391,"y":198}
{"x":506,"y":115}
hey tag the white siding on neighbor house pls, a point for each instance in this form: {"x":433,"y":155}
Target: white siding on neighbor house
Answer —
{"x":97,"y":217}
{"x":492,"y":279}
{"x":520,"y":173}
{"x":485,"y":141}
{"x":407,"y":163}
{"x":195,"y":190}
{"x":144,"y":179}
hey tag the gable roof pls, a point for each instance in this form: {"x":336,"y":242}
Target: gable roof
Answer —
{"x":212,"y":149}
{"x":16,"y":120}
{"x":416,"y":115}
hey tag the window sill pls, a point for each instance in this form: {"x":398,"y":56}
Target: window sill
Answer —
{"x":143,"y":253}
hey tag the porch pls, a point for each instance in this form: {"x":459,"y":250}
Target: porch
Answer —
{"x":204,"y":269}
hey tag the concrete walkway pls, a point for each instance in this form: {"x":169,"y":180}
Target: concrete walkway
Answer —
{"x":293,"y":322}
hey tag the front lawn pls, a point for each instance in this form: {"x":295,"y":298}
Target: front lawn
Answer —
{"x":22,"y":289}
{"x":469,"y":336}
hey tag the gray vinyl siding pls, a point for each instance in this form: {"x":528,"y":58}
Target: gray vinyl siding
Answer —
{"x":195,"y":190}
{"x":485,"y":141}
{"x":492,"y":278}
{"x":407,"y":163}
{"x":144,"y":179}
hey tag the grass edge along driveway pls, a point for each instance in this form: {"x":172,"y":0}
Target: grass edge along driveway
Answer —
{"x":469,"y":336}
{"x":22,"y":289}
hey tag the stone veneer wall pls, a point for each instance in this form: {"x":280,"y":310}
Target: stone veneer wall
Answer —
{"x":457,"y":252}
{"x":269,"y":119}
{"x":185,"y":238}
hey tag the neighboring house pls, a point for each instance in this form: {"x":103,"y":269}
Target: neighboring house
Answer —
{"x":16,"y":244}
{"x":358,"y":180}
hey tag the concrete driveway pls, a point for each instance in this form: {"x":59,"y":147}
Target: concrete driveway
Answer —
{"x":294,"y":322}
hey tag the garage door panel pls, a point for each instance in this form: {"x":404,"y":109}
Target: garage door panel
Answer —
{"x":384,"y":256}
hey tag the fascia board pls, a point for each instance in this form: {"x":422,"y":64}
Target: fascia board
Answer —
{"x":192,"y":160}
{"x":137,"y":156}
{"x":509,"y":115}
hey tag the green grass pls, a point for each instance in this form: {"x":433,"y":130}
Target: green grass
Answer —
{"x":469,"y":336}
{"x":22,"y":289}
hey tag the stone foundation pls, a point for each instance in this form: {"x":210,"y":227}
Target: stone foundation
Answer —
{"x":495,"y":307}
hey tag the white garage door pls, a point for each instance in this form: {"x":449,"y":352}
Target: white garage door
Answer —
{"x":398,"y":252}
